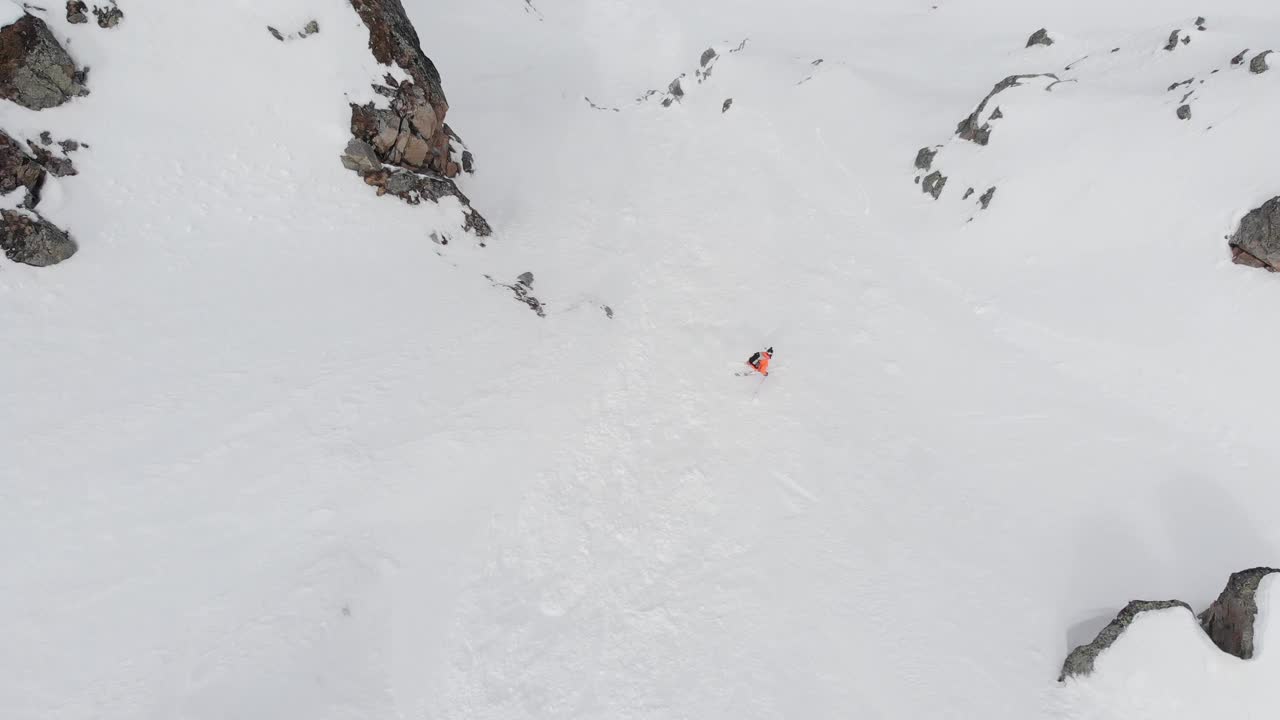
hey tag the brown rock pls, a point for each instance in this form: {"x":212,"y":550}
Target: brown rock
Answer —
{"x":35,"y":71}
{"x":1229,"y":620}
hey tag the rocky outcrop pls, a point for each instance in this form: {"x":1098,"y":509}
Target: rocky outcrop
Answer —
{"x":1184,"y":112}
{"x":1040,"y":37}
{"x":30,"y":239}
{"x":1081,"y":659}
{"x":1229,"y":620}
{"x":986,"y":197}
{"x":973,"y":128}
{"x":414,"y":187}
{"x":1256,"y":242}
{"x":35,"y":71}
{"x":411,"y":132}
{"x":523,"y":290}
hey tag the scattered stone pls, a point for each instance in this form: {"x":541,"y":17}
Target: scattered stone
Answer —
{"x":1115,"y":50}
{"x":58,"y":166}
{"x":108,"y":16}
{"x":1259,"y":64}
{"x":1040,"y":37}
{"x":986,"y":197}
{"x":35,"y":71}
{"x":1173,"y":40}
{"x":1256,"y":242}
{"x":468,"y":162}
{"x":1080,"y":661}
{"x":1177,"y":85}
{"x":523,"y":289}
{"x":1229,"y":620}
{"x":724,"y":108}
{"x":933,"y":184}
{"x":608,"y":311}
{"x":360,"y":157}
{"x":967,"y":194}
{"x":311,"y":28}
{"x":275,"y":33}
{"x":77,"y":12}
{"x":1184,"y":112}
{"x":996,"y":114}
{"x":17,"y":170}
{"x":924,"y":158}
{"x":706,"y":63}
{"x":970,"y":129}
{"x":68,"y":146}
{"x":1200,"y":21}
{"x":46,"y":138}
{"x":413,"y":188}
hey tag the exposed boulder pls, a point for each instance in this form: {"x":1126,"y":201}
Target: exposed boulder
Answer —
{"x":17,"y":170}
{"x":77,"y":12}
{"x":1081,"y":659}
{"x":706,"y":63}
{"x":1256,"y":242}
{"x":410,"y":133}
{"x":728,"y":103}
{"x":675,"y":93}
{"x":35,"y":71}
{"x":1200,"y":24}
{"x":108,"y":16}
{"x":1040,"y":37}
{"x":1175,"y":38}
{"x":924,"y":158}
{"x":360,"y":157}
{"x":933,"y":184}
{"x":986,"y":197}
{"x":1229,"y":620}
{"x":1184,"y":112}
{"x":30,"y":239}
{"x":1258,"y":64}
{"x":973,"y":128}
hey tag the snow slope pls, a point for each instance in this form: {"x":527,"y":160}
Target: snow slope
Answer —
{"x":272,"y":453}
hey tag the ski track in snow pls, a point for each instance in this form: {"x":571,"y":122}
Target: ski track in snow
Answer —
{"x":272,"y":453}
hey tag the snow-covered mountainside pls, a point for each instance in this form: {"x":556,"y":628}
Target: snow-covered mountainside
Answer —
{"x":275,"y":446}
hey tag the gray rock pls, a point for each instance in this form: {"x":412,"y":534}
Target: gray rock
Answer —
{"x":275,"y":33}
{"x":35,"y":71}
{"x":522,"y":291}
{"x":968,"y":194}
{"x":1184,"y":112}
{"x":1238,"y":59}
{"x":1200,"y":22}
{"x":17,"y":170}
{"x":1229,"y":620}
{"x":33,"y":240}
{"x":57,"y":165}
{"x":933,"y":184}
{"x":675,"y":93}
{"x":969,"y":129}
{"x":1256,"y":242}
{"x":360,"y":157}
{"x":728,"y":103}
{"x":997,"y":114}
{"x":1040,"y":37}
{"x":986,"y":197}
{"x":109,"y":16}
{"x":525,"y":279}
{"x":707,"y":56}
{"x":311,"y":28}
{"x":1081,"y":659}
{"x":1259,"y":63}
{"x":468,"y":162}
{"x":924,"y":158}
{"x":608,"y":311}
{"x":77,"y":12}
{"x":1174,"y":37}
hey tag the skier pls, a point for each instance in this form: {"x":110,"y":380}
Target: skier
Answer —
{"x":760,"y":361}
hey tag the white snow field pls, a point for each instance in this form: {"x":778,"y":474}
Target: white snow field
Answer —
{"x":270,"y":453}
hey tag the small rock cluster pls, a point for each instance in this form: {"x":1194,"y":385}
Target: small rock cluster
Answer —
{"x":307,"y":31}
{"x":1229,"y":622}
{"x":108,"y":15}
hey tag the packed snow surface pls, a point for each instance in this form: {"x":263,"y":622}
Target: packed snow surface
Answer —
{"x":269,"y":452}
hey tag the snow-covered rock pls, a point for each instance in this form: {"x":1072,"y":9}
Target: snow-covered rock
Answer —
{"x":1230,"y":620}
{"x":30,"y":239}
{"x":1256,"y":241}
